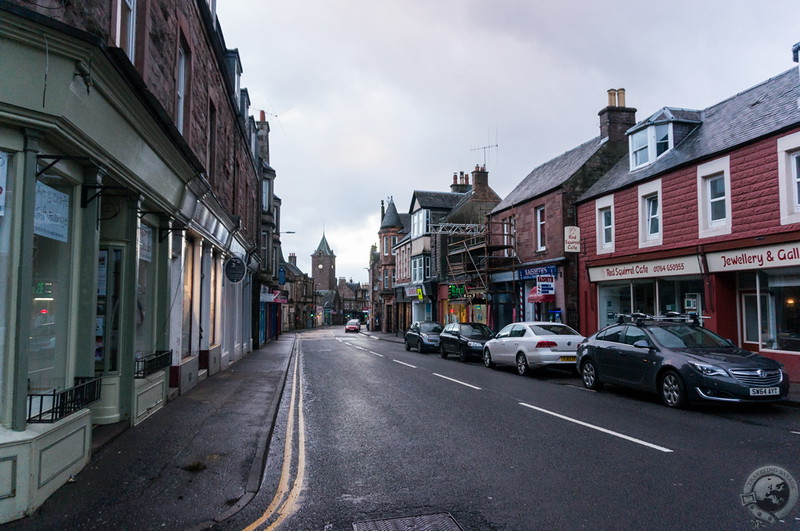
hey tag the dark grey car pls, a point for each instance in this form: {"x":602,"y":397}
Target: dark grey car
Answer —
{"x":423,"y":336}
{"x":680,"y":361}
{"x":464,"y":339}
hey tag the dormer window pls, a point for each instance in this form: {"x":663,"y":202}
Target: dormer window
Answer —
{"x":650,"y":143}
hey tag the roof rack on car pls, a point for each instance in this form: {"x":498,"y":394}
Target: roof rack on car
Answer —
{"x":640,"y":318}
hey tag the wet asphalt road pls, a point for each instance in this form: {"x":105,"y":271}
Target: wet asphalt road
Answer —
{"x":387,"y":433}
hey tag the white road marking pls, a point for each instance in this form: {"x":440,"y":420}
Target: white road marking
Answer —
{"x":404,"y":363}
{"x":457,"y":381}
{"x":795,"y":432}
{"x":376,"y":353}
{"x":598,"y":428}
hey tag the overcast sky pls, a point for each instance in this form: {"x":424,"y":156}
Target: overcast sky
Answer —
{"x":374,"y":99}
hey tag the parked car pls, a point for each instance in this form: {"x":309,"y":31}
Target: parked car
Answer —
{"x":423,"y":335}
{"x":680,"y":361}
{"x":532,"y":345}
{"x":353,"y":325}
{"x":464,"y":339}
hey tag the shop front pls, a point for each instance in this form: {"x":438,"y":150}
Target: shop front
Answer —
{"x":764,"y":301}
{"x":460,"y":303}
{"x":749,"y":295}
{"x":653,"y":287}
{"x":541,"y":293}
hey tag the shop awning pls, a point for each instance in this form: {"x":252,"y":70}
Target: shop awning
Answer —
{"x":535,"y":296}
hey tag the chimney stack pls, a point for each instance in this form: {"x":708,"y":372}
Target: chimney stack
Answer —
{"x":480,"y":179}
{"x":293,"y":259}
{"x":616,"y":118}
{"x":460,"y":183}
{"x":383,"y":211}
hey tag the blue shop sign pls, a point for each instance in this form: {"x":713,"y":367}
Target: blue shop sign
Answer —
{"x":530,"y":273}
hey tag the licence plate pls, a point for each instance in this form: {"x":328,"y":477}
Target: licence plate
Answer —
{"x":567,"y":358}
{"x":764,"y":391}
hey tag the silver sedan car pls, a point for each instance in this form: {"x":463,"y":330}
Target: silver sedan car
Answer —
{"x":532,"y":345}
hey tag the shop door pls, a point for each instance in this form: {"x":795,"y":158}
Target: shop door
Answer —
{"x":109,"y":303}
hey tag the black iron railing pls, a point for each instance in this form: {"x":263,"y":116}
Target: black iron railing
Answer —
{"x":153,"y":363}
{"x":55,"y":405}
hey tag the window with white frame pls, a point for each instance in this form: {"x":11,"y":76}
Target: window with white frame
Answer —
{"x":789,"y":178}
{"x":541,"y":243}
{"x":385,"y":246}
{"x":420,"y":220}
{"x":126,"y":26}
{"x":714,"y":198}
{"x":509,"y":230}
{"x":650,"y":222}
{"x":180,"y":88}
{"x":394,"y":242}
{"x":649,"y":144}
{"x":604,"y":209}
{"x":420,"y":268}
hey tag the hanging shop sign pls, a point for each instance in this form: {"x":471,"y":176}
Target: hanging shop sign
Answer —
{"x":682,"y":265}
{"x":235,"y":269}
{"x":783,"y":255}
{"x":572,"y":239}
{"x":456,"y":291}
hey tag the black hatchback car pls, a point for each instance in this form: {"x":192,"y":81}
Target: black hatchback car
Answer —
{"x":464,"y":339}
{"x":680,"y":361}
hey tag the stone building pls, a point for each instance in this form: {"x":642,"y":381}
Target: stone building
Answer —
{"x":129,"y":216}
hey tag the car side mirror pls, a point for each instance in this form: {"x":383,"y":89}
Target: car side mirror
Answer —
{"x":642,"y":343}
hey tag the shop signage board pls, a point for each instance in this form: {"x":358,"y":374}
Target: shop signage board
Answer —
{"x":531,"y":273}
{"x":782,"y":255}
{"x":546,"y":284}
{"x":667,"y":267}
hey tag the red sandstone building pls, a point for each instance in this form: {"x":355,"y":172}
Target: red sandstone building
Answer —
{"x":703,"y":215}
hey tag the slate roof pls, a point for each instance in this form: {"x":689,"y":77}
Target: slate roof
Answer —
{"x":747,"y":116}
{"x":435,"y":200}
{"x":551,"y":174}
{"x":391,"y":218}
{"x":323,"y":247}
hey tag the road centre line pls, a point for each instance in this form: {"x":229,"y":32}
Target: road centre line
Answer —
{"x":404,"y":363}
{"x":376,"y":353}
{"x":598,"y":428}
{"x":457,"y":381}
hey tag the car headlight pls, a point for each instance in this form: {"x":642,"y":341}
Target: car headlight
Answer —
{"x":708,"y":370}
{"x":474,"y":344}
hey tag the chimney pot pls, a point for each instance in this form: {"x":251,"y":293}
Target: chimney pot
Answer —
{"x":612,"y":98}
{"x":621,"y":97}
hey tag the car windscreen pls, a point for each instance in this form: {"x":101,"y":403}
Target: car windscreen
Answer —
{"x":430,"y":328}
{"x":477,"y":331}
{"x":687,"y":336}
{"x":552,"y":329}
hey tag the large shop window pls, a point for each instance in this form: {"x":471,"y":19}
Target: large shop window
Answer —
{"x":145,"y":294}
{"x":770,"y":313}
{"x":650,"y":297}
{"x":52,"y":249}
{"x":6,"y":191}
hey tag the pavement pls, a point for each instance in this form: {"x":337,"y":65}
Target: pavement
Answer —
{"x":195,"y":462}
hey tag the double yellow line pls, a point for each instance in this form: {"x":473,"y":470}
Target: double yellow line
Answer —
{"x":284,"y":504}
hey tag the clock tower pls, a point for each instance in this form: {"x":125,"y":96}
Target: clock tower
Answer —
{"x":323,"y":264}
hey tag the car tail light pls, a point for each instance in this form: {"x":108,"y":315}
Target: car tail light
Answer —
{"x":546,"y":344}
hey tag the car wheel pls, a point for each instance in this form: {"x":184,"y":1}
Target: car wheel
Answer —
{"x":522,"y":365}
{"x":408,"y":347}
{"x":462,"y":353}
{"x":487,"y":359}
{"x":672,"y":390}
{"x":442,"y":351}
{"x":589,"y":375}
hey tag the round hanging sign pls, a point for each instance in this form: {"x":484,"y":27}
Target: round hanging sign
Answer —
{"x":235,"y":269}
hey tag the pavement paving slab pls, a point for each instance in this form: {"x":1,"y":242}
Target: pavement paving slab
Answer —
{"x":199,"y":457}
